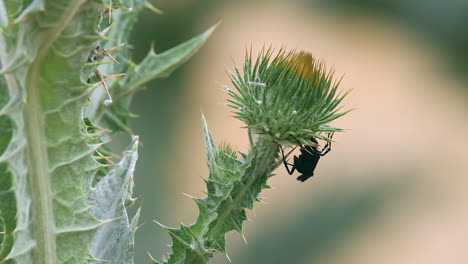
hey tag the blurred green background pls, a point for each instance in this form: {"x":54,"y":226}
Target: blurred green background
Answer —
{"x":393,"y":190}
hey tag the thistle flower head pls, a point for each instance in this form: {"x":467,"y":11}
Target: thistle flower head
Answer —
{"x":287,"y":96}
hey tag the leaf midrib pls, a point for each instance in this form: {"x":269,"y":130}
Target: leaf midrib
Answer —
{"x":43,"y":220}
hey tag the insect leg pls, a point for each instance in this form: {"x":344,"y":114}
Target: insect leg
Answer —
{"x":327,"y":147}
{"x":285,"y":162}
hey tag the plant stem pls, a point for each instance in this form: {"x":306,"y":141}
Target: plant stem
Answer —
{"x":258,"y":167}
{"x":256,"y":170}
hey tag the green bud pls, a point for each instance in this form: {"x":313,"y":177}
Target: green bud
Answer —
{"x":286,"y":97}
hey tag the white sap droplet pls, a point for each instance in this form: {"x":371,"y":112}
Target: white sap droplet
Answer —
{"x":107,"y":101}
{"x":226,"y":88}
{"x":294,"y":112}
{"x":259,"y":101}
{"x":130,"y":9}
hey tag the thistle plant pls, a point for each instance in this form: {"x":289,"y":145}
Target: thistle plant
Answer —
{"x":66,"y":84}
{"x":66,"y":80}
{"x":283,"y":98}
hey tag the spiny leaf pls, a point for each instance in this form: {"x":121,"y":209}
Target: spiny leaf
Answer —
{"x":111,"y":196}
{"x":47,"y":159}
{"x":161,"y":65}
{"x":51,"y":69}
{"x":153,"y":66}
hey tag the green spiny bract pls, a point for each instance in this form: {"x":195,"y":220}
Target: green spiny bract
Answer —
{"x":289,"y":96}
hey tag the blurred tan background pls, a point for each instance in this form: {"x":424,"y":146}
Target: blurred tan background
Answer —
{"x":394,"y":187}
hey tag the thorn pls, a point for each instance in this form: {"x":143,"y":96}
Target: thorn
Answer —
{"x":103,"y":260}
{"x":116,"y":47}
{"x":133,"y":115}
{"x":217,"y":24}
{"x":138,"y":226}
{"x":151,"y":257}
{"x":111,"y":219}
{"x":161,"y":225}
{"x":189,"y":196}
{"x":243,"y":236}
{"x":140,"y":142}
{"x":105,"y":142}
{"x":97,"y":63}
{"x":114,"y":76}
{"x":101,"y":131}
{"x":261,"y":200}
{"x":105,"y":158}
{"x":152,"y":8}
{"x":248,"y":219}
{"x":104,"y":32}
{"x":137,"y":198}
{"x":101,"y":78}
{"x":106,"y":165}
{"x":106,"y":52}
{"x":109,"y":10}
{"x":136,"y":139}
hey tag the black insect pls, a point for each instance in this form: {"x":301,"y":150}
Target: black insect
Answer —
{"x":307,"y":160}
